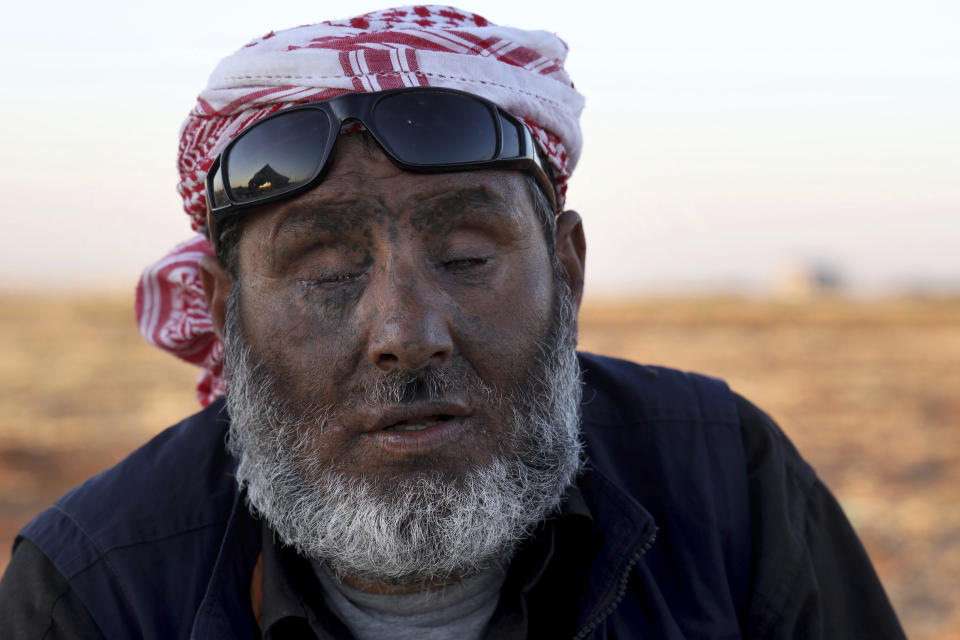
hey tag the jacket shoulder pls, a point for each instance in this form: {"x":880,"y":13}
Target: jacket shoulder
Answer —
{"x":179,"y":481}
{"x":661,"y":434}
{"x":672,"y":441}
{"x":138,"y":542}
{"x":622,"y":392}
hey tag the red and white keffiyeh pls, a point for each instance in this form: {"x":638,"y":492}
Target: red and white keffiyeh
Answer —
{"x":438,"y":46}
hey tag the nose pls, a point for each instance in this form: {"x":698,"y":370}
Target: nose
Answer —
{"x":410,"y":327}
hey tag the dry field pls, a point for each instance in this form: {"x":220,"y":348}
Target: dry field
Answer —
{"x":868,"y":392}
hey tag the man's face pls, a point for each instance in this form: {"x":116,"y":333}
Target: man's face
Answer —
{"x":378,"y":270}
{"x":404,"y":392}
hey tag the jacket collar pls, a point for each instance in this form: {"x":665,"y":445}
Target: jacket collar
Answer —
{"x":226,"y":611}
{"x":626,"y":531}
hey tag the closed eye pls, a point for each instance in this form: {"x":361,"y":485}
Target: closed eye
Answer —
{"x":464,"y":263}
{"x":330,"y":280}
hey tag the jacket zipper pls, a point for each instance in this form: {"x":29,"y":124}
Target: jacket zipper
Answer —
{"x":621,"y":589}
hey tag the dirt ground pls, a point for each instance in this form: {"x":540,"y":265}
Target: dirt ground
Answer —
{"x":869,"y":392}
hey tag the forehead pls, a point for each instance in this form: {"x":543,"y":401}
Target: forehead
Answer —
{"x":362,"y":186}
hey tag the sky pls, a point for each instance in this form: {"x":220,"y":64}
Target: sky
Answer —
{"x":725,"y":142}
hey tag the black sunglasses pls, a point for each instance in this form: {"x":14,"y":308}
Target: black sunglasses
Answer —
{"x":425,"y":130}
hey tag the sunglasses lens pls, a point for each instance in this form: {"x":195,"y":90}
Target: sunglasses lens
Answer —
{"x":435,"y":128}
{"x":511,"y":138}
{"x":219,"y":195}
{"x":277,"y":155}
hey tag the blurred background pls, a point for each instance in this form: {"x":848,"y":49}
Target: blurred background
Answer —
{"x":770,"y":195}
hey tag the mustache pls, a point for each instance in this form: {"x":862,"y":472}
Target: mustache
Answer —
{"x":402,"y":386}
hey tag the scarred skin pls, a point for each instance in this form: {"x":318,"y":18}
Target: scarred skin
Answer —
{"x":377,"y":269}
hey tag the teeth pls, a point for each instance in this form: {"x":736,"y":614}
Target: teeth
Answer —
{"x":417,"y":426}
{"x":407,"y":427}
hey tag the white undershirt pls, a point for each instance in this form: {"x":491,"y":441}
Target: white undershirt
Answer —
{"x":460,"y":611}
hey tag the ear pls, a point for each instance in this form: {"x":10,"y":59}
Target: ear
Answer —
{"x":217,"y":285}
{"x":572,"y":250}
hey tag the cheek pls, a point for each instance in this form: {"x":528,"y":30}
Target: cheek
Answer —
{"x":313,"y":341}
{"x":501,"y":327}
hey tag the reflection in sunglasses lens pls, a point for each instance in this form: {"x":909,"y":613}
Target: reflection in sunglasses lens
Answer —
{"x":278,"y":155}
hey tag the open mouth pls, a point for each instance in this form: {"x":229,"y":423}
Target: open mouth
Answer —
{"x":418,"y":429}
{"x":419,"y":424}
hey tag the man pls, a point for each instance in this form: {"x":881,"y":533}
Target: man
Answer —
{"x":414,"y":448}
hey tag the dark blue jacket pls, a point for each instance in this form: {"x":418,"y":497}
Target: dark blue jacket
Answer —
{"x":705,"y":524}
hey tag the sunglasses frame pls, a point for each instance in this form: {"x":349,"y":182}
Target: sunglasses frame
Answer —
{"x":360,"y":107}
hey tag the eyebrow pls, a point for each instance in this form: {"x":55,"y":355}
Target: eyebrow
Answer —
{"x":338,"y":215}
{"x":333,"y":217}
{"x":477,"y":199}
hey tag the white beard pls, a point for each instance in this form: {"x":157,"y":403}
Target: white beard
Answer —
{"x":424,"y":527}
